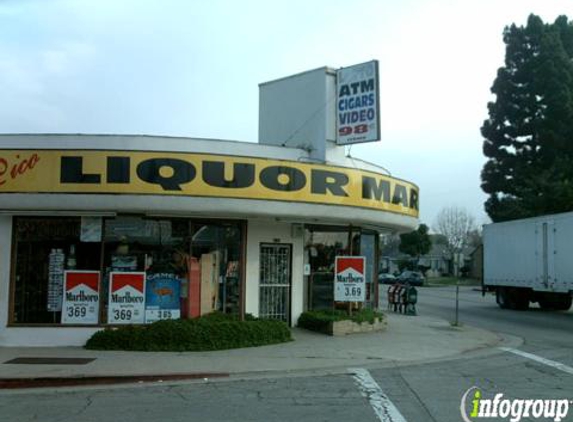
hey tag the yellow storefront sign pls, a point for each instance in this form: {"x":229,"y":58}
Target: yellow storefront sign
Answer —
{"x":201,"y":175}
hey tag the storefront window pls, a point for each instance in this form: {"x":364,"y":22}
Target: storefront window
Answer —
{"x":368,"y":250}
{"x":323,"y":244}
{"x":216,"y":249}
{"x":44,"y":249}
{"x":158,"y":248}
{"x":184,"y":268}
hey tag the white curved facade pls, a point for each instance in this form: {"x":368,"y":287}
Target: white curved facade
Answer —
{"x":273,"y":191}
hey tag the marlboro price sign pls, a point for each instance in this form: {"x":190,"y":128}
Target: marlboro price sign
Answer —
{"x":126,"y":298}
{"x":81,"y":297}
{"x":162,"y":300}
{"x":349,"y":279}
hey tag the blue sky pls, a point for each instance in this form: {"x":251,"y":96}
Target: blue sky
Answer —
{"x":192,"y":68}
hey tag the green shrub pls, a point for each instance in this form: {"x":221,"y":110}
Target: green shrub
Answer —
{"x":210,"y":332}
{"x":366,"y":315}
{"x":319,"y":320}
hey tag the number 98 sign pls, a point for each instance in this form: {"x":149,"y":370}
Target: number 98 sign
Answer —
{"x":349,"y":130}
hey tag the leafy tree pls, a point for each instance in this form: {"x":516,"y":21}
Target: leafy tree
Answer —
{"x":529,"y":132}
{"x":404,"y":264}
{"x":416,"y":243}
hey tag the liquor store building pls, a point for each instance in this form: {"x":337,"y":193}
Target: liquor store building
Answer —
{"x":192,"y":225}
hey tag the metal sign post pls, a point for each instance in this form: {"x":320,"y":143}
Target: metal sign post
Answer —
{"x":457,"y":322}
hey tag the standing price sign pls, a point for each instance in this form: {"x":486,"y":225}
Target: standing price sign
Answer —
{"x":126,"y":298}
{"x":81,"y":297}
{"x":350,"y":279}
{"x":162,"y":298}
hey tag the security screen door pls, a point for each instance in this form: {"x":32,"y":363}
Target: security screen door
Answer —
{"x":275,"y":281}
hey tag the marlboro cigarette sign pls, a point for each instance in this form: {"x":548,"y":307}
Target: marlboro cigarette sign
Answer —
{"x":349,"y":279}
{"x":126,"y":298}
{"x":81,"y":297}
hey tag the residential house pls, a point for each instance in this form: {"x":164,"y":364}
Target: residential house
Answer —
{"x":439,"y":261}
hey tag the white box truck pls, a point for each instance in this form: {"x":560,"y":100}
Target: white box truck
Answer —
{"x":530,"y":260}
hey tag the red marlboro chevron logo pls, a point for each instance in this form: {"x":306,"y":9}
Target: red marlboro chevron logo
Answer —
{"x":349,"y":269}
{"x":356,"y":263}
{"x":89,"y":279}
{"x":135,"y":280}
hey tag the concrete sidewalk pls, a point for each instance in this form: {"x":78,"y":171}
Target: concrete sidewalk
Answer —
{"x":407,"y":339}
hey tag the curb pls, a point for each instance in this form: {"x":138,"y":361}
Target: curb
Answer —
{"x":20,"y":383}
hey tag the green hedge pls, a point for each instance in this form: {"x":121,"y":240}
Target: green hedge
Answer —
{"x":211,"y":332}
{"x":319,"y":320}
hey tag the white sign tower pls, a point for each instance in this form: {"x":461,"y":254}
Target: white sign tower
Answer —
{"x":321,"y":110}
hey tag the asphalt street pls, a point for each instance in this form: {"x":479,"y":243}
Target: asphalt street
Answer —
{"x":541,"y":330}
{"x":421,"y":392}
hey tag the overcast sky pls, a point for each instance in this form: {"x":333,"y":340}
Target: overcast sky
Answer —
{"x":192,"y":68}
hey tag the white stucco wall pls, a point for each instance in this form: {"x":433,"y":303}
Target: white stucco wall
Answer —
{"x":154,"y":205}
{"x":45,"y":336}
{"x":5,"y":249}
{"x":273,"y":232}
{"x":293,"y":111}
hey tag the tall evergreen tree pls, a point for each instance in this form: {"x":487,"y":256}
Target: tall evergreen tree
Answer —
{"x":529,"y":132}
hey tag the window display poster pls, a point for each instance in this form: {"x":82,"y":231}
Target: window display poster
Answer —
{"x":126,"y":298}
{"x":91,"y":229}
{"x":81,"y":297}
{"x":55,"y":280}
{"x":349,"y":279}
{"x":162,"y":295}
{"x":124,"y":263}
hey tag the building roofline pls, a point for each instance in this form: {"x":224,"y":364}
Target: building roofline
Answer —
{"x":327,"y":70}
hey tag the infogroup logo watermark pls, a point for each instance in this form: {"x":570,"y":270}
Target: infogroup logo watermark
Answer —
{"x":474,"y":407}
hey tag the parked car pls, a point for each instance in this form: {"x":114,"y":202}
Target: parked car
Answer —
{"x":415,"y":278}
{"x":386,"y":278}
